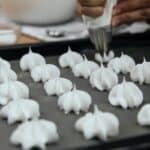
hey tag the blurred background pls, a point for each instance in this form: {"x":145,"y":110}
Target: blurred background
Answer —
{"x":34,"y":21}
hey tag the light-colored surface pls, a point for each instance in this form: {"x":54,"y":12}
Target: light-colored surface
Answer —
{"x":39,"y":12}
{"x":9,"y":37}
{"x":74,"y":30}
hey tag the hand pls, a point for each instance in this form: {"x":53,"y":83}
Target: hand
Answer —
{"x":92,"y":8}
{"x":128,"y":11}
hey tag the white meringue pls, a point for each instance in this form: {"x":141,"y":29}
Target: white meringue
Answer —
{"x":126,"y":95}
{"x":143,"y":116}
{"x":123,"y":64}
{"x":31,"y":60}
{"x":70,"y":59}
{"x":45,"y":72}
{"x":75,"y":100}
{"x":103,"y":79}
{"x":99,"y":57}
{"x":85,"y":68}
{"x":106,"y":58}
{"x":12,"y":91}
{"x":58,"y":86}
{"x":141,"y":73}
{"x":5,"y":63}
{"x":98,"y":124}
{"x":35,"y":133}
{"x":20,"y":110}
{"x":7,"y":74}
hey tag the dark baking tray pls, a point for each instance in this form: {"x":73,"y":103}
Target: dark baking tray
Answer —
{"x":131,"y":134}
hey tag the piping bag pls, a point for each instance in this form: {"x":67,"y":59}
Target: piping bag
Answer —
{"x":103,"y":21}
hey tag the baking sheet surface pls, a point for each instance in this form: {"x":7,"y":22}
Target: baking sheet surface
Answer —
{"x":69,"y":138}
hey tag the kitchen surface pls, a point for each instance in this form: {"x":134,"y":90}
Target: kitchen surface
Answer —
{"x":72,"y":82}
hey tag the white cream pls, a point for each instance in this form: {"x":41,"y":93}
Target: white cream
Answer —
{"x":31,"y":60}
{"x":143,"y":116}
{"x":75,"y":101}
{"x":45,"y":72}
{"x":141,"y":73}
{"x":123,"y":64}
{"x":12,"y":91}
{"x":20,"y":110}
{"x":70,"y":59}
{"x":103,"y":79}
{"x":7,"y":74}
{"x":35,"y":133}
{"x":58,"y":86}
{"x":4,"y":63}
{"x":98,"y":124}
{"x":106,"y":58}
{"x":126,"y":95}
{"x":85,"y":68}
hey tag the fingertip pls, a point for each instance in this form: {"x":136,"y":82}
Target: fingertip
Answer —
{"x":116,"y":11}
{"x":92,"y":12}
{"x":115,"y":22}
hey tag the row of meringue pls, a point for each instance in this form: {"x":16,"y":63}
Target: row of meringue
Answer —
{"x":121,"y":64}
{"x":71,"y":58}
{"x":96,"y":78}
{"x":80,"y":67}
